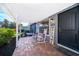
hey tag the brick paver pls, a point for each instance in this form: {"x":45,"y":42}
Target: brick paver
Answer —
{"x":28,"y":47}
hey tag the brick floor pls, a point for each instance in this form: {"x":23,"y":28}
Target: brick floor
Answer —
{"x":28,"y":47}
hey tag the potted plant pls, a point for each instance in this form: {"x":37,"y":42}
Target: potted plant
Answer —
{"x":6,"y":41}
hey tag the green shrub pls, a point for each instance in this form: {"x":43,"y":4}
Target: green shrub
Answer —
{"x":5,"y":35}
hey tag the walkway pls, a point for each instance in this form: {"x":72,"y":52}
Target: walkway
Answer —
{"x":28,"y":47}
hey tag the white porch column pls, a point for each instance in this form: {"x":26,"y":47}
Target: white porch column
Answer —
{"x":49,"y":31}
{"x":17,"y":32}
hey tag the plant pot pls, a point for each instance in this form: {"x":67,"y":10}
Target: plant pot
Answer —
{"x":8,"y":49}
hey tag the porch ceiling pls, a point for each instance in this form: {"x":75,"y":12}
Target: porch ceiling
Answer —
{"x":35,"y":12}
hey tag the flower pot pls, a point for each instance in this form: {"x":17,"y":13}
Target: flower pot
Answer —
{"x":8,"y":49}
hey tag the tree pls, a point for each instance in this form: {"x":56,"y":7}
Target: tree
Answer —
{"x":1,"y":24}
{"x":5,"y":23}
{"x":12,"y":25}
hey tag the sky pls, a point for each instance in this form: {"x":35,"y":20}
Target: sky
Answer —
{"x":25,"y":23}
{"x":3,"y":16}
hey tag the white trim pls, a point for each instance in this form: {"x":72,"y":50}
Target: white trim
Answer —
{"x":68,"y":48}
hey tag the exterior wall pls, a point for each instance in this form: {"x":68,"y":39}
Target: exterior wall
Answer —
{"x":52,"y":29}
{"x":37,"y":28}
{"x":34,"y":27}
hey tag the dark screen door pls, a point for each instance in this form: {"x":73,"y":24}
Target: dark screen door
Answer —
{"x":68,"y":28}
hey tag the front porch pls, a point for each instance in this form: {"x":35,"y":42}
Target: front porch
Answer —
{"x":27,"y":46}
